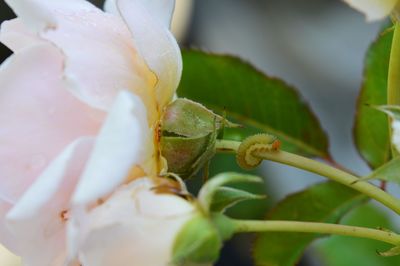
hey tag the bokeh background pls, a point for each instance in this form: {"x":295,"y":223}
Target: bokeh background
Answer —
{"x":316,"y":45}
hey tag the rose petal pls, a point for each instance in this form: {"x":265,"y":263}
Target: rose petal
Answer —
{"x":5,"y":235}
{"x":132,"y":226}
{"x":15,"y":35}
{"x":160,"y":10}
{"x":8,"y":259}
{"x":155,"y":42}
{"x":39,"y":117}
{"x":40,"y":216}
{"x":100,"y":55}
{"x":373,"y":9}
{"x":125,"y":141}
{"x":110,"y":6}
{"x":106,"y":63}
{"x":39,"y":15}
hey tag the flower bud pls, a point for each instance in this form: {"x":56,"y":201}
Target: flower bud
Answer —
{"x":189,"y":133}
{"x":201,"y":238}
{"x":198,"y":242}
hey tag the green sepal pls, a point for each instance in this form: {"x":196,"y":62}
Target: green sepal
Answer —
{"x":198,"y":242}
{"x":395,"y":251}
{"x":391,"y":110}
{"x":388,"y":172}
{"x":210,"y":189}
{"x":209,"y":152}
{"x":186,"y":156}
{"x":186,"y":118}
{"x":227,"y":197}
{"x":189,"y":135}
{"x":226,"y":228}
{"x":394,"y":112}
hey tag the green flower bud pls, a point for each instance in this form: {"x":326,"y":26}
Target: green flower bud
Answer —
{"x":200,"y":239}
{"x":188,"y":135}
{"x":198,"y":243}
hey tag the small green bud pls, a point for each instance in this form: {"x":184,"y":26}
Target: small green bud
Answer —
{"x":188,"y":136}
{"x":200,"y":240}
{"x":197,"y":243}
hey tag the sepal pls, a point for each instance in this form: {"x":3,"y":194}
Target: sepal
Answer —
{"x":394,"y":113}
{"x":186,"y":118}
{"x":187,"y":155}
{"x":395,"y":251}
{"x":387,"y":172}
{"x":201,"y":239}
{"x":213,"y":196}
{"x":197,"y":243}
{"x":227,"y":197}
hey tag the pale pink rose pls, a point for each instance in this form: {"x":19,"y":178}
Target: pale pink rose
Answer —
{"x":135,"y":226}
{"x":374,"y":9}
{"x":80,"y":101}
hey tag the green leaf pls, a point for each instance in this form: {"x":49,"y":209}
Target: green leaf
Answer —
{"x":325,"y":202}
{"x":227,"y":197}
{"x":387,"y":172}
{"x":371,"y":130}
{"x":253,"y":99}
{"x":348,"y":251}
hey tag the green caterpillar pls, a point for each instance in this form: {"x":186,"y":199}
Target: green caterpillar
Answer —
{"x":256,"y":143}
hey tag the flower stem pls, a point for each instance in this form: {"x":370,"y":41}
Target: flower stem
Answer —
{"x":322,"y":169}
{"x":393,"y":89}
{"x":227,"y":146}
{"x":247,"y":226}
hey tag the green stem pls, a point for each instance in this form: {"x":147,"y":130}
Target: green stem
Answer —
{"x":227,"y":146}
{"x":245,"y":226}
{"x":322,"y":169}
{"x":393,"y":90}
{"x":335,"y":175}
